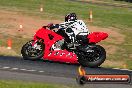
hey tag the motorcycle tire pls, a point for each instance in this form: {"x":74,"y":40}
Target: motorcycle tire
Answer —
{"x":83,"y":60}
{"x":26,"y":56}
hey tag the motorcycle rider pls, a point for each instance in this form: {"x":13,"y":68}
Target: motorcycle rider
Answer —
{"x":72,"y":27}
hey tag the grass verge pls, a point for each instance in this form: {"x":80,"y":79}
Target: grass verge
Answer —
{"x":19,"y":84}
{"x":103,"y":15}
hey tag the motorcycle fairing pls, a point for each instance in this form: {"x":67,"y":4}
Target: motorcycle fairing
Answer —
{"x":96,"y":37}
{"x":54,"y":55}
{"x":62,"y":56}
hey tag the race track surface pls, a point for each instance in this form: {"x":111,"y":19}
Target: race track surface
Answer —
{"x":44,"y":71}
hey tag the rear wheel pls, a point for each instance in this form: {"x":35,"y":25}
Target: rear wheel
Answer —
{"x":32,"y":52}
{"x":94,"y":58}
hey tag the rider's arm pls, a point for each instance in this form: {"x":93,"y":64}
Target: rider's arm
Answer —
{"x":65,"y":25}
{"x":85,"y":28}
{"x":59,"y":26}
{"x":56,"y":26}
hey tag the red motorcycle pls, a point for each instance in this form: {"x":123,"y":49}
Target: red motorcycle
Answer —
{"x":55,"y":46}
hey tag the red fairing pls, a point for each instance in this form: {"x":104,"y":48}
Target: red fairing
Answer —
{"x":65,"y":56}
{"x":44,"y":34}
{"x":96,"y":37}
{"x":62,"y":56}
{"x":57,"y":55}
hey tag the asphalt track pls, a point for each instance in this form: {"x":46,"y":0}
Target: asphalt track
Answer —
{"x":15,"y":68}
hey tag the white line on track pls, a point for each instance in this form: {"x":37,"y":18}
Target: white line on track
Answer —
{"x":122,"y":69}
{"x":23,"y":69}
{"x":30,"y":70}
{"x":40,"y":71}
{"x":14,"y":68}
{"x":5,"y":67}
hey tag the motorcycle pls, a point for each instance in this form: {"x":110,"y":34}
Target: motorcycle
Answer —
{"x":56,"y":46}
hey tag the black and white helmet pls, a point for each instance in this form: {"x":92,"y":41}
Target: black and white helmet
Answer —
{"x":70,"y":17}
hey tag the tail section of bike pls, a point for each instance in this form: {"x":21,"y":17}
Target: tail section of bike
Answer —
{"x":96,"y":37}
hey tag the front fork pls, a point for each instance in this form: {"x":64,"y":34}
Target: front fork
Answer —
{"x":34,"y":44}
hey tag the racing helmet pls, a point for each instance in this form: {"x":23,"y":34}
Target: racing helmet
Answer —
{"x":70,"y":17}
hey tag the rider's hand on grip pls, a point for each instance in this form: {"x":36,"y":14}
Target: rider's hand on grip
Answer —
{"x":50,"y":26}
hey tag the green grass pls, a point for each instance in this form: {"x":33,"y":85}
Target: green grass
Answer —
{"x":103,"y":15}
{"x":19,"y":84}
{"x":17,"y":42}
{"x":117,"y":1}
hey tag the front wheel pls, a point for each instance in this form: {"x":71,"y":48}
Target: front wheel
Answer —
{"x":95,"y":56}
{"x":31,"y":52}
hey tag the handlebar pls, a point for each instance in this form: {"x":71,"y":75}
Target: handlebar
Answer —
{"x":45,"y":26}
{"x":48,"y":27}
{"x":51,"y":26}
